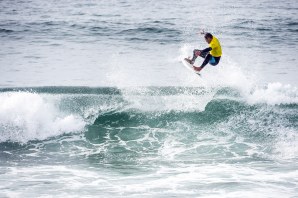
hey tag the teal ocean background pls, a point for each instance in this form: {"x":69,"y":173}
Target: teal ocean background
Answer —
{"x":95,"y":102}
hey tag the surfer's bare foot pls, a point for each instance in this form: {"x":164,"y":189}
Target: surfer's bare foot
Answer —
{"x":197,"y":68}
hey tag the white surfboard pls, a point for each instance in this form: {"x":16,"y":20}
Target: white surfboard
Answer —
{"x":190,"y":67}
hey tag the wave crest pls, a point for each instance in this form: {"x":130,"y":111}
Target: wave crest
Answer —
{"x":28,"y":116}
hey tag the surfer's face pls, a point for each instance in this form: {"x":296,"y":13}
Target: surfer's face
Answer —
{"x":208,"y":40}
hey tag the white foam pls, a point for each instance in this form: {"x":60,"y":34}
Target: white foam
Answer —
{"x":286,"y":147}
{"x":28,"y":116}
{"x":186,"y":101}
{"x":274,"y":94}
{"x":217,"y":180}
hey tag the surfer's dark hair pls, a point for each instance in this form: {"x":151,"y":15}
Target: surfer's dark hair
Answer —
{"x":208,"y":35}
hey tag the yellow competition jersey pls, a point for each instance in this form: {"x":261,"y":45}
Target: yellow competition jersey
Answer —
{"x":216,"y":48}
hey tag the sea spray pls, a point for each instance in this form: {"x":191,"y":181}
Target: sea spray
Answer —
{"x":28,"y":116}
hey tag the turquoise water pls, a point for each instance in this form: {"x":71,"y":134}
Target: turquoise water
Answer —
{"x":94,"y":101}
{"x":152,"y":141}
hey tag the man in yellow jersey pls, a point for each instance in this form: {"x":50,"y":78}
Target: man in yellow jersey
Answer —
{"x":211,"y":54}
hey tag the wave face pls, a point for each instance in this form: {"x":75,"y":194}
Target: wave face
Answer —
{"x":39,"y":113}
{"x":154,"y":138}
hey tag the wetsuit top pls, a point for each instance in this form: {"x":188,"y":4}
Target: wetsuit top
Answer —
{"x":214,"y":48}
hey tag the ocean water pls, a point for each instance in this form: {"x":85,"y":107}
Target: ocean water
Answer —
{"x":94,"y":101}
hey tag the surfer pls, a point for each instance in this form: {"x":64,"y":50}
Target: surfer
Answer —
{"x":211,"y":54}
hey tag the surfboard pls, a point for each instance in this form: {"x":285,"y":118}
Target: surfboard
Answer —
{"x":190,"y":67}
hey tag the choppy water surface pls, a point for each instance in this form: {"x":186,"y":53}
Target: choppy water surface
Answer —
{"x":95,"y":103}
